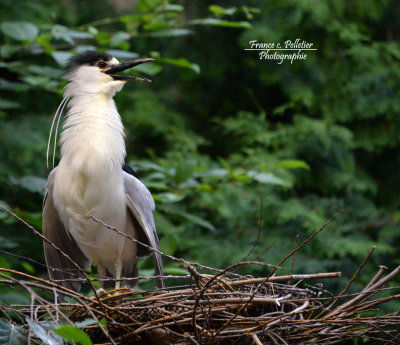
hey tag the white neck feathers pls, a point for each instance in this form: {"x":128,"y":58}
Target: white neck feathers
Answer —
{"x":93,"y":135}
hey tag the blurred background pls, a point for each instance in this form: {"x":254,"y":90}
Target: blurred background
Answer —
{"x":230,"y":146}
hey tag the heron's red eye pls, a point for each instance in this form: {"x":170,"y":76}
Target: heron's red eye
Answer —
{"x":102,"y":64}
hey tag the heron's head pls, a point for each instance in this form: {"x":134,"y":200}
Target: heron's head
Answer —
{"x":95,"y":72}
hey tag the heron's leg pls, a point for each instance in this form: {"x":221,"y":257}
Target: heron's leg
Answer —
{"x":118,"y":269}
{"x":102,"y":275}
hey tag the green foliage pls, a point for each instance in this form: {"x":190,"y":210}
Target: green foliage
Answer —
{"x":47,"y":332}
{"x":12,"y":334}
{"x":20,"y":31}
{"x":220,"y":137}
{"x":74,"y":334}
{"x":43,"y":330}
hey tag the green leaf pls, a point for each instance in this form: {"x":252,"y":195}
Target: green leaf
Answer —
{"x":149,"y":5}
{"x":73,"y":333}
{"x":5,"y":104}
{"x":168,"y":197}
{"x":46,"y":71}
{"x":243,"y":178}
{"x":220,"y":22}
{"x":43,"y":81}
{"x":204,"y":187}
{"x":155,"y":25}
{"x":268,"y":178}
{"x":93,"y":30}
{"x":34,"y":184}
{"x":157,"y":185}
{"x":119,"y":37}
{"x":7,"y":50}
{"x":82,"y":48}
{"x":103,"y":38}
{"x":12,"y":297}
{"x":11,"y":334}
{"x":155,"y":54}
{"x":4,"y":263}
{"x":33,"y":218}
{"x":61,"y":57}
{"x":149,"y":68}
{"x":27,"y":267}
{"x":103,"y":322}
{"x":182,"y":62}
{"x":175,"y":8}
{"x":280,"y":110}
{"x":294,"y":164}
{"x":3,"y":215}
{"x":184,"y":171}
{"x":156,"y":176}
{"x":175,"y":270}
{"x":61,"y":32}
{"x":123,"y":54}
{"x":225,"y":164}
{"x":169,"y":244}
{"x":12,"y":85}
{"x":195,"y":220}
{"x":217,"y":173}
{"x":220,"y":11}
{"x":20,"y":31}
{"x":44,"y":331}
{"x":171,"y":33}
{"x":44,"y":40}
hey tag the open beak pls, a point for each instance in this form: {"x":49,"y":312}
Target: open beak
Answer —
{"x":124,"y":66}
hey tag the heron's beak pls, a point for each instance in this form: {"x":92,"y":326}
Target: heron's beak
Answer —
{"x":124,"y":66}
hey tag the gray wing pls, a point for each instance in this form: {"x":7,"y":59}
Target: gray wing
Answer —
{"x":58,"y":266}
{"x":141,"y":204}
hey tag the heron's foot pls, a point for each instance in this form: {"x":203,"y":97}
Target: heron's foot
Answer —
{"x":101,"y":292}
{"x":120,"y":291}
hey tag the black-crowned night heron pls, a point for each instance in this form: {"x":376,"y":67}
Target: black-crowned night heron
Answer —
{"x":92,"y":179}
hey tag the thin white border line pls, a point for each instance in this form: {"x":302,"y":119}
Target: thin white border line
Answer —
{"x":280,"y":49}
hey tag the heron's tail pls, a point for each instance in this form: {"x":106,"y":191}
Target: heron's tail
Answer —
{"x":158,"y":270}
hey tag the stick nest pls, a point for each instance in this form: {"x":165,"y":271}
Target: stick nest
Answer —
{"x":219,"y":308}
{"x":213,"y":309}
